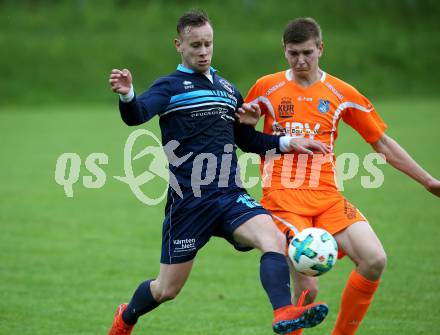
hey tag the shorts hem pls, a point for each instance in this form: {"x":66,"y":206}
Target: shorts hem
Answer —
{"x":238,"y":222}
{"x":178,"y":259}
{"x":247,"y":216}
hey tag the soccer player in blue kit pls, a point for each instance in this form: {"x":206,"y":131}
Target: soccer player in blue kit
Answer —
{"x":197,"y":110}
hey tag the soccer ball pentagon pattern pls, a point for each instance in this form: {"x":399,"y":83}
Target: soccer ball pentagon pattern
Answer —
{"x":313,"y":251}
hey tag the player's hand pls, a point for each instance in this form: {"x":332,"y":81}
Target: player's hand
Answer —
{"x":120,"y":81}
{"x":248,"y":114}
{"x":434,"y":187}
{"x":307,"y":146}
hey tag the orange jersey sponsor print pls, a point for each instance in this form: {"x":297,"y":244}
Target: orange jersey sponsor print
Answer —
{"x":314,"y":113}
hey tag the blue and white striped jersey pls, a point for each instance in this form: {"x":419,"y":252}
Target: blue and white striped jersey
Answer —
{"x":199,"y":114}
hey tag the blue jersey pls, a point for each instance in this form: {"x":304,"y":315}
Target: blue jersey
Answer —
{"x":200,"y":116}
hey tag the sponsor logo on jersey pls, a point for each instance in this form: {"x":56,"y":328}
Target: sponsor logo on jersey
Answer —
{"x":349,"y":210}
{"x":296,"y":129}
{"x":334,"y":90}
{"x":286,"y":107}
{"x":299,"y":129}
{"x":222,"y":112}
{"x":187,"y":244}
{"x":323,"y":106}
{"x":300,"y":98}
{"x":278,"y":129}
{"x":188,"y":85}
{"x":247,"y":200}
{"x":227,"y":86}
{"x":274,"y":88}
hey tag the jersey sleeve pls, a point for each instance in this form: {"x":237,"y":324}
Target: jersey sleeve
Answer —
{"x":250,"y":140}
{"x":239,"y":98}
{"x":150,"y":103}
{"x":361,"y":116}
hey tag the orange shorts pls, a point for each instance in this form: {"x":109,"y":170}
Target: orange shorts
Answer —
{"x":296,"y":209}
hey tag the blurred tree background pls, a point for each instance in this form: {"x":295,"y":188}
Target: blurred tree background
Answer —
{"x":62,"y":51}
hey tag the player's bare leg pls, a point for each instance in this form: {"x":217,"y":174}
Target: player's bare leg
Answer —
{"x":260,"y":232}
{"x":303,"y":283}
{"x":361,"y":244}
{"x":170,"y":281}
{"x":149,"y":295}
{"x":305,"y":290}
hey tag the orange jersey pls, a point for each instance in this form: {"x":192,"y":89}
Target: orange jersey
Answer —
{"x":314,"y":113}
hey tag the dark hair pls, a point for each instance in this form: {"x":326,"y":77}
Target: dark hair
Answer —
{"x":192,"y":18}
{"x":301,"y":30}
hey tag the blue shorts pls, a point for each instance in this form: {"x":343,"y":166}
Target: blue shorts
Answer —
{"x":190,"y":222}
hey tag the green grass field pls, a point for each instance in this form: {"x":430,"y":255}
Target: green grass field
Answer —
{"x":66,"y":263}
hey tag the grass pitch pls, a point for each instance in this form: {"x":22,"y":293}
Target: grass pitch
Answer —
{"x":66,"y":263}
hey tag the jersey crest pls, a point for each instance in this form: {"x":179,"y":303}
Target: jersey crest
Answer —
{"x":323,"y":106}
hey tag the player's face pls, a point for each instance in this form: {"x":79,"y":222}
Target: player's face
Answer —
{"x":303,"y":58}
{"x":195,"y":45}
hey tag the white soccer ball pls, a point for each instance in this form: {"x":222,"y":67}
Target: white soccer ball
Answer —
{"x":313,"y":251}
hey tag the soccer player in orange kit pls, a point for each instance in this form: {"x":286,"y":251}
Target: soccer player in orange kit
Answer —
{"x":300,"y":191}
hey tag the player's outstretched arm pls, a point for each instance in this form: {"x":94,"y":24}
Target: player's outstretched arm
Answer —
{"x":401,"y":160}
{"x":250,"y":140}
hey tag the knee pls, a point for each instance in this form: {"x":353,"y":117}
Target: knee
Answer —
{"x":166,"y":294}
{"x":375,"y":265}
{"x":378,"y":262}
{"x":272,"y":240}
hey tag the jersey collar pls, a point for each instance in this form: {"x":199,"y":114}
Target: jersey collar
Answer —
{"x":289,"y":75}
{"x":182,"y":68}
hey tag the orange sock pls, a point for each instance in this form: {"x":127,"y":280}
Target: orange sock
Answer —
{"x":356,"y":299}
